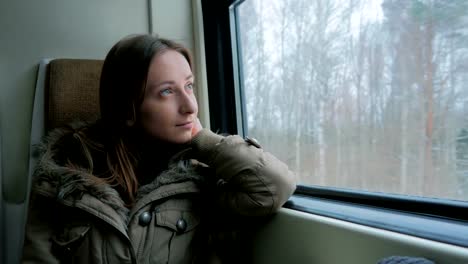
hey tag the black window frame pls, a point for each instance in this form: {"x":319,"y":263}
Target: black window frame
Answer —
{"x":220,"y":65}
{"x":435,"y":219}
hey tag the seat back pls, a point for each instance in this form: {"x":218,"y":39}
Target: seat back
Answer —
{"x":66,"y":90}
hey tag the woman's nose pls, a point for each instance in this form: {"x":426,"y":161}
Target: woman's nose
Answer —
{"x":188,"y":104}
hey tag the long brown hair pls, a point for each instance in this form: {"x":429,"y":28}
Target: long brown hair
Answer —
{"x":121,"y":92}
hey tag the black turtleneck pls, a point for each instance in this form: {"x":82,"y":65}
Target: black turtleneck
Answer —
{"x":153,"y":157}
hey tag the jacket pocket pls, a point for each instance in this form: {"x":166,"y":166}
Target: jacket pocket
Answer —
{"x":67,"y":242}
{"x":177,"y":222}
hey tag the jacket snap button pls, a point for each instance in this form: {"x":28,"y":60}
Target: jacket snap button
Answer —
{"x":253,"y":141}
{"x":181,"y":225}
{"x":145,"y":219}
{"x":220,"y":182}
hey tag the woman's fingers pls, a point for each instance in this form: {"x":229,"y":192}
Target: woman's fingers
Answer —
{"x":197,"y":127}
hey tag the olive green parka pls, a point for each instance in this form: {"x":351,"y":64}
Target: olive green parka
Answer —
{"x":187,"y":214}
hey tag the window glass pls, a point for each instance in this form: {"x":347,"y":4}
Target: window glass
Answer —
{"x":362,"y":94}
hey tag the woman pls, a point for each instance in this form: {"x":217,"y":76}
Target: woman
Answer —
{"x":146,"y":183}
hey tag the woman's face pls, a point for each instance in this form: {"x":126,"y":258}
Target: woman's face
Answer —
{"x":169,"y":109}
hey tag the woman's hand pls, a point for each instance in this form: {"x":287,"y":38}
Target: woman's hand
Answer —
{"x":196,"y":127}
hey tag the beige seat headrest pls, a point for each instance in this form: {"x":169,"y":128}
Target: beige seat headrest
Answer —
{"x":73,"y":91}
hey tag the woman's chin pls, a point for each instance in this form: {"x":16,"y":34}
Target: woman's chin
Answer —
{"x":180,"y":139}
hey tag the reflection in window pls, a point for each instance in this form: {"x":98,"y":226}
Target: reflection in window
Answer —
{"x":362,"y":94}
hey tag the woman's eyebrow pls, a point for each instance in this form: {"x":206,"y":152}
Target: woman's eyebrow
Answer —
{"x":152,"y":86}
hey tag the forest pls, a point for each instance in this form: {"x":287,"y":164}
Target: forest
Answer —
{"x":360,"y":94}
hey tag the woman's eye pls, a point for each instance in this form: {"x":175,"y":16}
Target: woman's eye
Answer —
{"x":189,"y":86}
{"x":165,"y":92}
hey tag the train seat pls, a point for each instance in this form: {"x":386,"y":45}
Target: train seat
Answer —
{"x":66,"y":90}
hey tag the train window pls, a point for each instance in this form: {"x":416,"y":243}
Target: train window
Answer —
{"x":367,"y":95}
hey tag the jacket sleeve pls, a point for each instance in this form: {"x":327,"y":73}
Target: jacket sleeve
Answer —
{"x":250,"y":180}
{"x":38,"y":234}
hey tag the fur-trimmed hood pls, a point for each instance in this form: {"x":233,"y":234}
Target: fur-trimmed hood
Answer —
{"x":57,"y":176}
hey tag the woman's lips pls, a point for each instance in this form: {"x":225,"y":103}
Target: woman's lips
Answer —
{"x":185,"y":125}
